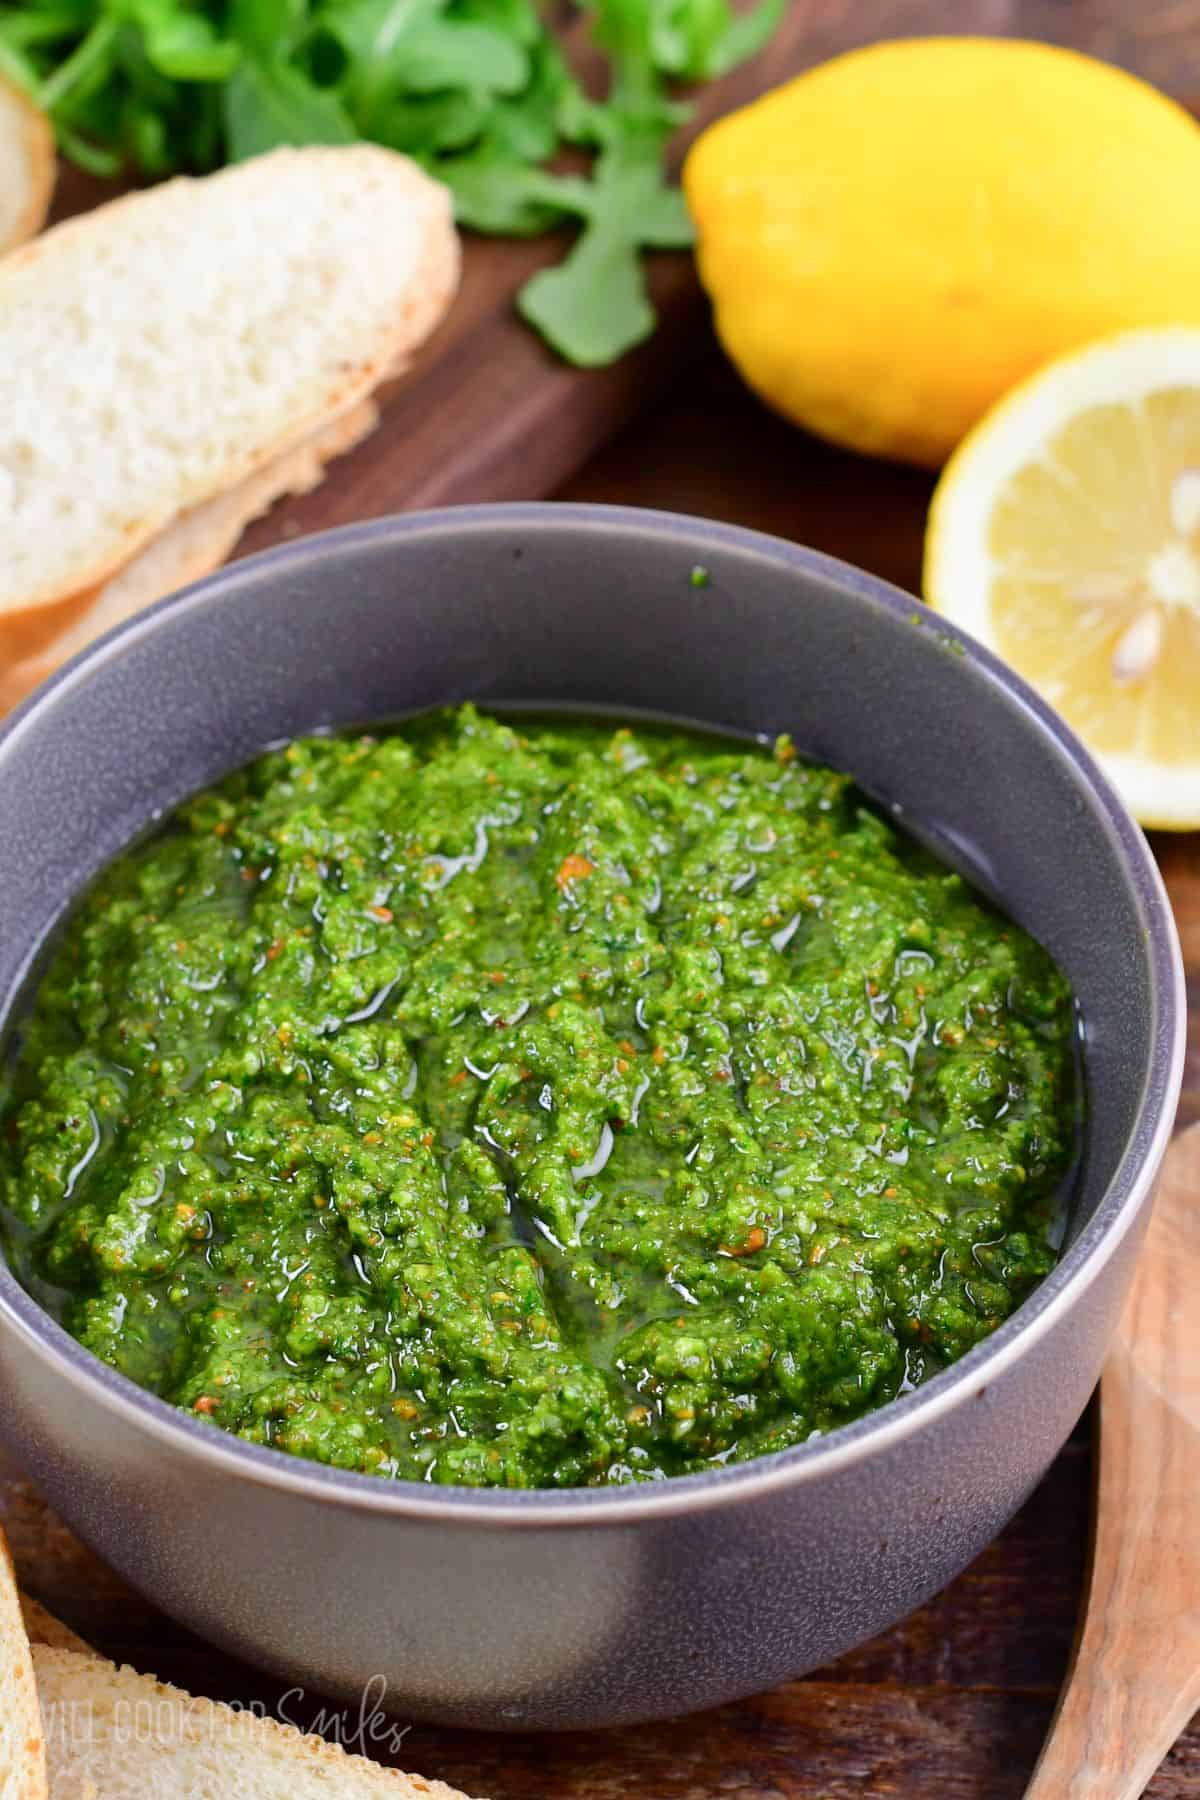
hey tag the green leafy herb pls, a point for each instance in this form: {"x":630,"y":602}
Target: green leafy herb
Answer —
{"x":270,"y":103}
{"x":477,"y":90}
{"x":594,"y":304}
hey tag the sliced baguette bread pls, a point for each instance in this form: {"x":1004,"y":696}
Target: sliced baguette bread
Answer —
{"x":27,"y":167}
{"x":22,"y":1747}
{"x":41,"y":1627}
{"x":161,"y":350}
{"x":191,"y":546}
{"x":133,"y":1738}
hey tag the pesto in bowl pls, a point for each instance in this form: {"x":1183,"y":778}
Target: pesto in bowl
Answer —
{"x":536,"y":1105}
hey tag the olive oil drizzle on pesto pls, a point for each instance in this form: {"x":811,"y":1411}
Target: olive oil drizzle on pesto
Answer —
{"x":535,"y":1106}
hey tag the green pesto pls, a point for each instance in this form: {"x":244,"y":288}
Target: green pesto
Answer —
{"x":535,"y":1106}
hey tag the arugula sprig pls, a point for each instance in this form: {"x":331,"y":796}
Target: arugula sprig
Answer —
{"x":477,"y":90}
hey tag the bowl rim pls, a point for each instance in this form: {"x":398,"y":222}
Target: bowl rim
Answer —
{"x":875,"y":1432}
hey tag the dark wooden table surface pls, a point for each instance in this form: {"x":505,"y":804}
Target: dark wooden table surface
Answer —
{"x":952,"y":1704}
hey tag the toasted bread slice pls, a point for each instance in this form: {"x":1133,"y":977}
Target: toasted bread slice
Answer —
{"x":193,"y":545}
{"x":22,"y":1745}
{"x":27,"y":167}
{"x":162,"y":349}
{"x":41,"y":1627}
{"x":134,"y":1738}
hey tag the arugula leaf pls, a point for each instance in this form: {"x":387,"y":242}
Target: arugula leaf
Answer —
{"x":370,"y":31}
{"x":739,"y":37}
{"x":268,"y":104}
{"x":699,"y":40}
{"x":498,"y":194}
{"x":593,"y":306}
{"x":267,"y":28}
{"x":185,"y":46}
{"x":582,"y":120}
{"x":395,"y":51}
{"x":29,"y":30}
{"x":15,"y":65}
{"x":518,"y":19}
{"x":429,"y":125}
{"x":526,"y":126}
{"x":87,"y":64}
{"x":625,"y":28}
{"x":148,"y":139}
{"x":478,"y":90}
{"x":90,"y":157}
{"x":663,"y":220}
{"x":445,"y":53}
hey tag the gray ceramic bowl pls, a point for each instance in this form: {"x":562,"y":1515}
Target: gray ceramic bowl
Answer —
{"x":593,"y":1607}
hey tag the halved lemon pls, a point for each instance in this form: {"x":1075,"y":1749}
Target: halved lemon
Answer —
{"x":1065,"y":534}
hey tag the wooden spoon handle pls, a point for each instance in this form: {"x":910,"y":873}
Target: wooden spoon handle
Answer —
{"x":1135,"y":1680}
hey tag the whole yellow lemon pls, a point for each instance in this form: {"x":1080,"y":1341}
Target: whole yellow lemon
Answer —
{"x":895,"y":238}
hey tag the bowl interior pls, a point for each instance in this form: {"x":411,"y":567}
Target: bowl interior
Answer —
{"x":615,"y":612}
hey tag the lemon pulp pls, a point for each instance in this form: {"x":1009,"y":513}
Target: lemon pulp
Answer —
{"x":1066,"y":534}
{"x":1097,"y":591}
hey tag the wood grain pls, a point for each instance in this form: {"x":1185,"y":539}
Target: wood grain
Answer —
{"x":1136,"y":1676}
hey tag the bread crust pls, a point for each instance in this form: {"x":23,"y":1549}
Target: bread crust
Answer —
{"x":22,"y":1742}
{"x":185,"y":1741}
{"x":36,"y":136}
{"x":83,"y":1672}
{"x":64,"y":253}
{"x":41,"y":1627}
{"x":192,"y":546}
